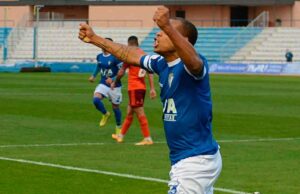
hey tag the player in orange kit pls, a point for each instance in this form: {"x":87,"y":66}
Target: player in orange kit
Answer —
{"x":136,"y":92}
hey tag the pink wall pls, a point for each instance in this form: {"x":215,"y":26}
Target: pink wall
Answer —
{"x":141,"y":16}
{"x":14,"y":14}
{"x":205,"y":15}
{"x":116,"y":16}
{"x":285,"y":13}
{"x":296,"y":14}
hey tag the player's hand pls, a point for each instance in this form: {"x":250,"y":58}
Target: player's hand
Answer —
{"x":162,"y":17}
{"x":86,"y":33}
{"x":91,"y":79}
{"x":152,"y":93}
{"x":108,"y":81}
{"x":113,"y":85}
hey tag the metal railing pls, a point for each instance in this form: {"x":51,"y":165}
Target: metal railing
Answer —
{"x":71,"y":23}
{"x":242,"y":37}
{"x":228,"y":23}
{"x":218,"y":23}
{"x":26,"y":24}
{"x":15,"y":36}
{"x":140,"y":23}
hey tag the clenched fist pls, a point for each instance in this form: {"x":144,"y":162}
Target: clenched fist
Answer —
{"x":86,"y":33}
{"x":162,"y":17}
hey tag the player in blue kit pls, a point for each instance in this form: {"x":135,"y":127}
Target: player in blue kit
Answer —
{"x":185,"y":94}
{"x":108,"y":66}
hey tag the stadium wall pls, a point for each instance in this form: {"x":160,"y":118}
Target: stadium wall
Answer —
{"x":283,"y":12}
{"x":122,"y":16}
{"x":127,"y":15}
{"x":296,"y":12}
{"x":205,"y":15}
{"x":13,"y":14}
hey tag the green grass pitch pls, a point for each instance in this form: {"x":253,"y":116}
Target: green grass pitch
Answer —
{"x":57,"y":109}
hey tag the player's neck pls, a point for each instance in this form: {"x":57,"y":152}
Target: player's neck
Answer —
{"x":172,"y":56}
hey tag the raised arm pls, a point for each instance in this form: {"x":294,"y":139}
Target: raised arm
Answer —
{"x":124,"y":53}
{"x":184,"y":48}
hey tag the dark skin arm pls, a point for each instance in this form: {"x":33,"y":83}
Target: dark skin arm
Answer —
{"x":184,"y":48}
{"x":124,"y":53}
{"x":130,"y":55}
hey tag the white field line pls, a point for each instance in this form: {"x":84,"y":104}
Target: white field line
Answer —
{"x":258,"y":140}
{"x":159,"y":142}
{"x":130,"y":176}
{"x":52,"y":145}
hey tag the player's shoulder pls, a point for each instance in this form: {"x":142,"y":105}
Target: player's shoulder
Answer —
{"x":99,"y":55}
{"x":141,"y":51}
{"x":154,"y":58}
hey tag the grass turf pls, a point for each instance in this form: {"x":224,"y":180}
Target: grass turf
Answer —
{"x":57,"y":108}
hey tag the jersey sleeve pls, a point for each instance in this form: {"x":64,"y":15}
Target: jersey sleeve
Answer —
{"x":150,"y":63}
{"x":96,"y":70}
{"x":202,"y":73}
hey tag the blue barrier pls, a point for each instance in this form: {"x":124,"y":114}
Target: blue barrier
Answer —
{"x":78,"y":67}
{"x":248,"y":68}
{"x":238,"y":68}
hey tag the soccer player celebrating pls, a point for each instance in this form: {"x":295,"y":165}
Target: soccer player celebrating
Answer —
{"x":185,"y":94}
{"x":108,"y":66}
{"x":136,"y":92}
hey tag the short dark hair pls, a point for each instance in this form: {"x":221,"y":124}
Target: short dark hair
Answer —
{"x":133,"y":39}
{"x":107,"y":38}
{"x":188,"y":29}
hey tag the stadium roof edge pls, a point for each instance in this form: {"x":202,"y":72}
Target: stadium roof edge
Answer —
{"x":147,"y":2}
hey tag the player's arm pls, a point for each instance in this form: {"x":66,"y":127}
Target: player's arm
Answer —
{"x":184,"y":48}
{"x":119,"y":76}
{"x":127,"y":54}
{"x":152,"y":88}
{"x":95,"y":73}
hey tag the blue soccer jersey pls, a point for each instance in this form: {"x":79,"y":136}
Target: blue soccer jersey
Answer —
{"x":108,"y":66}
{"x":187,"y":107}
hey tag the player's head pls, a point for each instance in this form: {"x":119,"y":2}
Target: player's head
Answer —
{"x":103,"y":50}
{"x":163,"y":43}
{"x":133,"y":41}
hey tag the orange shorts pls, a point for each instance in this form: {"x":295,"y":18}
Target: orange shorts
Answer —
{"x":136,"y":97}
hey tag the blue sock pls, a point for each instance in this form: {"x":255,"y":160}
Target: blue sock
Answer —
{"x":118,"y":116}
{"x":99,"y":105}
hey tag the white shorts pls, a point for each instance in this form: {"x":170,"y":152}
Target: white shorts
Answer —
{"x":195,"y":175}
{"x":115,"y":95}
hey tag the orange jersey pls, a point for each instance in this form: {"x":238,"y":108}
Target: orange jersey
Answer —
{"x":136,"y":76}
